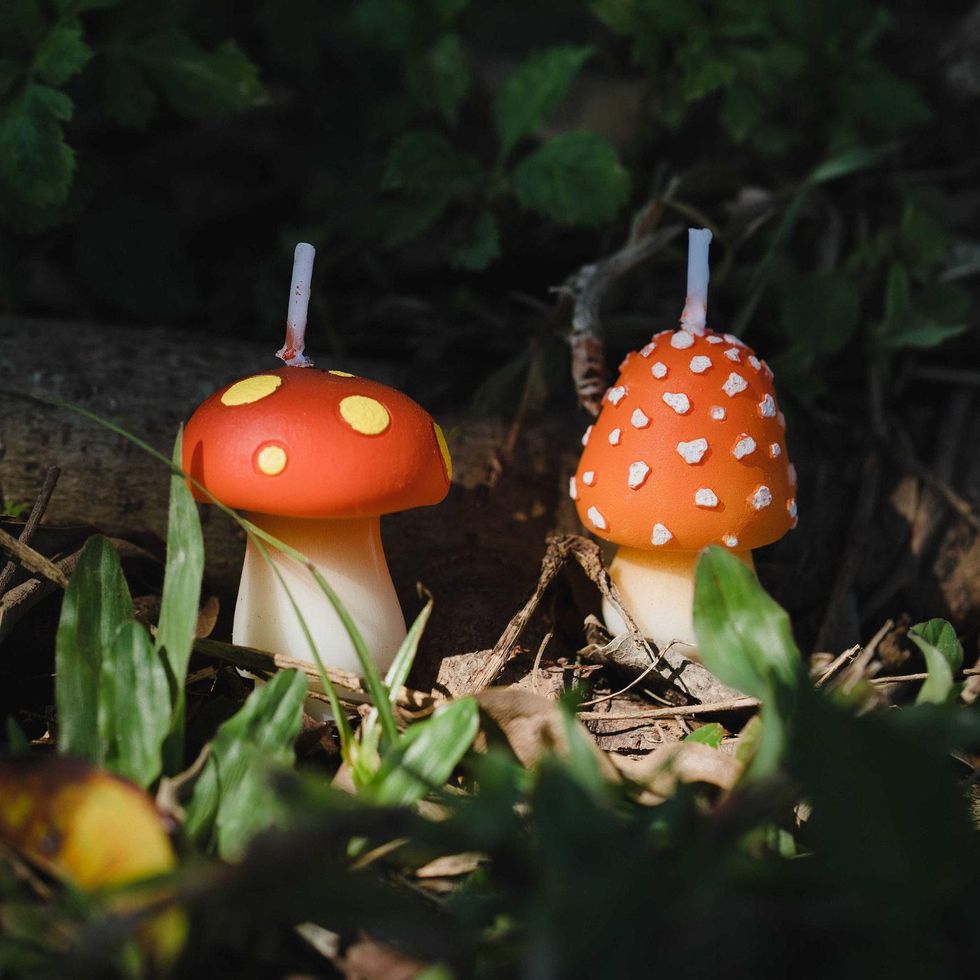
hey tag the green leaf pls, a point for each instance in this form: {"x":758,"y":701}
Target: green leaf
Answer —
{"x":533,"y":91}
{"x":62,"y":54}
{"x":574,"y":179}
{"x":127,"y":98}
{"x":427,"y":173}
{"x":745,"y":639}
{"x":943,"y":651}
{"x":17,"y":742}
{"x":96,"y":606}
{"x":232,"y":799}
{"x":711,"y":734}
{"x":922,"y":333}
{"x":426,"y":755}
{"x":200,"y":84}
{"x":923,"y":238}
{"x":35,"y":162}
{"x":847,"y":162}
{"x":439,"y":78}
{"x":181,"y":597}
{"x":480,"y":249}
{"x":820,"y":312}
{"x":134,"y":706}
{"x":896,"y":292}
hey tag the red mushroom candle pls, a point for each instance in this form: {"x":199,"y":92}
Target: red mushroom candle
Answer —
{"x":315,"y":458}
{"x":689,"y":450}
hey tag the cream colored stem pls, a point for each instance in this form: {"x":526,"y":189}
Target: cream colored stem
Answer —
{"x":658,"y":590}
{"x":349,"y":555}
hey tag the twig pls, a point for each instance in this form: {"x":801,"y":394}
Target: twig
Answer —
{"x":586,"y":289}
{"x":909,"y":678}
{"x":839,"y":664}
{"x":679,"y":711}
{"x":33,"y":519}
{"x":33,"y":560}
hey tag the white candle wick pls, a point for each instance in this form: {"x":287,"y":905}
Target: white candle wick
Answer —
{"x":695,"y":312}
{"x":299,"y":302}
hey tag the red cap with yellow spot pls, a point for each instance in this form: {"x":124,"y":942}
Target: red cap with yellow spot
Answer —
{"x":316,"y":444}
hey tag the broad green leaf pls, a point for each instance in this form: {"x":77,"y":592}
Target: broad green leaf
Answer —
{"x":96,"y":606}
{"x":427,"y":173}
{"x":943,"y":651}
{"x":134,"y":706}
{"x":62,"y":54}
{"x":921,"y":333}
{"x":426,"y":755}
{"x":232,"y":799}
{"x":820,"y":313}
{"x":197,"y":83}
{"x":439,"y":78}
{"x":35,"y":162}
{"x":480,"y":249}
{"x":896,"y":292}
{"x":534,"y":91}
{"x":744,"y":638}
{"x":711,"y":734}
{"x":923,"y":238}
{"x":181,"y":597}
{"x":574,"y":179}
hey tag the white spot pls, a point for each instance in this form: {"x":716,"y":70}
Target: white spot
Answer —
{"x":615,"y":436}
{"x":660,"y":534}
{"x":700,"y":364}
{"x":639,"y":471}
{"x":678,"y":401}
{"x":588,"y":477}
{"x":781,"y":419}
{"x":713,"y":338}
{"x":572,"y":488}
{"x":734,"y":385}
{"x":730,"y":540}
{"x":648,"y":350}
{"x":791,"y":507}
{"x":662,"y":333}
{"x":775,"y":450}
{"x":767,"y":371}
{"x":659,"y":370}
{"x":597,"y":519}
{"x":706,"y":497}
{"x":744,"y":446}
{"x":693,"y":451}
{"x":585,"y":436}
{"x":682,"y":339}
{"x":732,"y":339}
{"x":791,"y":473}
{"x":733,"y":355}
{"x":767,"y":407}
{"x":625,"y":361}
{"x":761,"y":498}
{"x":617,"y":394}
{"x":717,"y":413}
{"x":639,"y":419}
{"x":754,"y":361}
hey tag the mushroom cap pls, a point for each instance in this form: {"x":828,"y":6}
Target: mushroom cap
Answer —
{"x":316,"y":444}
{"x":688,"y":450}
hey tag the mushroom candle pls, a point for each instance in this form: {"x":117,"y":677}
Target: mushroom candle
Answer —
{"x":689,"y":450}
{"x":315,"y":458}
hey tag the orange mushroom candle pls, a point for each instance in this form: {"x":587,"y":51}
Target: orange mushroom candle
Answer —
{"x":315,"y":458}
{"x":689,"y":450}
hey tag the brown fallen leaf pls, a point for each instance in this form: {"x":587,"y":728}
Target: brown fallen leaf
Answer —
{"x":659,"y":773}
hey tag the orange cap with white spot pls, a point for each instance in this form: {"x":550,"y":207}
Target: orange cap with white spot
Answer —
{"x":316,"y":444}
{"x":689,"y":450}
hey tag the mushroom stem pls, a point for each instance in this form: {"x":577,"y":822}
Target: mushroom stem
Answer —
{"x":657,"y":587}
{"x":299,"y":300}
{"x":349,"y":555}
{"x":695,"y":312}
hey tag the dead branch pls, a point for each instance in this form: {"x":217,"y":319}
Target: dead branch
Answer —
{"x":33,"y":560}
{"x":33,"y":519}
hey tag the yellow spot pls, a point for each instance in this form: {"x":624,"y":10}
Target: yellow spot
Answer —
{"x":271,"y":460}
{"x":364,"y":415}
{"x":341,"y":374}
{"x":444,"y":449}
{"x":251,"y":389}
